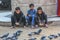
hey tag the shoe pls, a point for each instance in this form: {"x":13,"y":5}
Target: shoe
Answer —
{"x":32,"y":27}
{"x":36,"y":26}
{"x":46,"y":25}
{"x":24,"y":26}
{"x":17,"y":23}
{"x":12,"y":26}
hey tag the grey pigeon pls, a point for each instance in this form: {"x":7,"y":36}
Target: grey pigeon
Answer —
{"x":17,"y":33}
{"x":54,"y":36}
{"x":32,"y":38}
{"x":51,"y":37}
{"x":30,"y":34}
{"x":4,"y":35}
{"x":43,"y":38}
{"x":38,"y":32}
{"x":58,"y":34}
{"x":11,"y":37}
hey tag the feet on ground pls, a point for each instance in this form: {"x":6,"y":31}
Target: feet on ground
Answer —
{"x":12,"y":26}
{"x":33,"y":27}
{"x":24,"y":26}
{"x":46,"y":25}
{"x":36,"y":26}
{"x":17,"y":23}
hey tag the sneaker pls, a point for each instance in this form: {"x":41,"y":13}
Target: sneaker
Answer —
{"x":17,"y":23}
{"x":12,"y":26}
{"x":46,"y":25}
{"x":33,"y":27}
{"x":24,"y":26}
{"x":36,"y":26}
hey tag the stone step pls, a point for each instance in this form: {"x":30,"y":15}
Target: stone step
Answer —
{"x":5,"y":23}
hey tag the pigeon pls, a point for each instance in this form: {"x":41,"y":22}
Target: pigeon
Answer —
{"x":11,"y":37}
{"x":54,"y":36}
{"x":30,"y":34}
{"x":35,"y":33}
{"x":8,"y":39}
{"x":58,"y":34}
{"x":14,"y":38}
{"x":51,"y":37}
{"x":14,"y":35}
{"x":32,"y":38}
{"x":38,"y":32}
{"x":4,"y":38}
{"x":17,"y":33}
{"x":24,"y":39}
{"x":43,"y":38}
{"x":4,"y":35}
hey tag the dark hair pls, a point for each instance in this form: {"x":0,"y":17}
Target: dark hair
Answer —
{"x":31,"y":5}
{"x":17,"y":8}
{"x":39,"y":8}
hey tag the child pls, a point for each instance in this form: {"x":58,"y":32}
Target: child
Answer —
{"x":18,"y":17}
{"x":31,"y":15}
{"x":41,"y":16}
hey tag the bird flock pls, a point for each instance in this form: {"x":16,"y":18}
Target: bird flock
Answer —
{"x":15,"y":35}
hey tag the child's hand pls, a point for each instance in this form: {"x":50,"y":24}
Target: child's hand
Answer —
{"x":41,"y":24}
{"x":29,"y":15}
{"x":17,"y":23}
{"x":46,"y":25}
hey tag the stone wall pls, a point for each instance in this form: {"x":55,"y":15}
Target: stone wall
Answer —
{"x":49,"y":6}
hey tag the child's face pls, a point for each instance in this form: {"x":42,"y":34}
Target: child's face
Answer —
{"x":32,"y":7}
{"x":17,"y":11}
{"x":39,"y":11}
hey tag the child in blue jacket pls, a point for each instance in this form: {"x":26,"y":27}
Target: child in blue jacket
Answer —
{"x":31,"y":15}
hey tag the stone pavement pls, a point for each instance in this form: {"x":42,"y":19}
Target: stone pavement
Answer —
{"x":52,"y":29}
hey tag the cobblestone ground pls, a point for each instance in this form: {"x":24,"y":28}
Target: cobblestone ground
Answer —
{"x":53,"y":28}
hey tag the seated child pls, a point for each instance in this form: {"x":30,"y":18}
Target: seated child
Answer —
{"x":31,"y":15}
{"x":41,"y":17}
{"x":18,"y":17}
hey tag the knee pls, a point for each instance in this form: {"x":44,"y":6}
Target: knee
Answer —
{"x":27,"y":17}
{"x":12,"y":17}
{"x":33,"y":15}
{"x":45,"y":15}
{"x":23,"y":16}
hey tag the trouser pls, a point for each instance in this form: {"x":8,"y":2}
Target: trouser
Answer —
{"x":20,"y":20}
{"x":31,"y":20}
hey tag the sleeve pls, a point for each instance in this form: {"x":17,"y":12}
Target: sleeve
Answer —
{"x":37,"y":19}
{"x":28,"y":13}
{"x":22,"y":13}
{"x":45,"y":18}
{"x":14,"y":14}
{"x":35,"y":11}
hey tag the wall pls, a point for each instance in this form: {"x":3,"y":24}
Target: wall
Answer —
{"x":49,"y":6}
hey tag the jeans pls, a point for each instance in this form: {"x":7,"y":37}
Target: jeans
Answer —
{"x":31,"y":20}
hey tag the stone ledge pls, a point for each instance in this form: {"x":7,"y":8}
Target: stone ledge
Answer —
{"x":5,"y":23}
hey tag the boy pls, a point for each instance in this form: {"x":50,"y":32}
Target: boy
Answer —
{"x":41,"y":17}
{"x":18,"y":17}
{"x":31,"y":15}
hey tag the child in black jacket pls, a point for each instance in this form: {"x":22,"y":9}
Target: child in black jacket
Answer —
{"x":41,"y":17}
{"x":18,"y":17}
